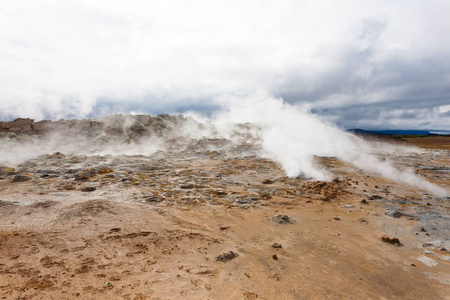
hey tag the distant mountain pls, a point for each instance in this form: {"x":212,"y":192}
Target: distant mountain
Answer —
{"x":391,"y":132}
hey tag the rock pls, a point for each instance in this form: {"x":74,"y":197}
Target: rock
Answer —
{"x":224,"y":227}
{"x":337,"y":218}
{"x":268,"y":181}
{"x":283,"y":219}
{"x":152,"y":198}
{"x":104,"y":170}
{"x":390,"y":240}
{"x":227,"y":256}
{"x":276,"y":245}
{"x":423,"y":229}
{"x":247,"y":200}
{"x":397,"y":214}
{"x":275,"y":257}
{"x":83,"y":176}
{"x":363,"y":220}
{"x":187,"y":186}
{"x":375,"y":197}
{"x":4,"y":170}
{"x":21,"y":177}
{"x":88,"y":189}
{"x":48,"y":176}
{"x":69,"y":187}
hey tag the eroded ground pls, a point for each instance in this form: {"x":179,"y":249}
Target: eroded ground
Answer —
{"x":162,"y":226}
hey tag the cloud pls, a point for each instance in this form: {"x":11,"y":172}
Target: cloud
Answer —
{"x":87,"y":58}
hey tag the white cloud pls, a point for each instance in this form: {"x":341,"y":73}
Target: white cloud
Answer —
{"x":444,"y":108}
{"x":65,"y":58}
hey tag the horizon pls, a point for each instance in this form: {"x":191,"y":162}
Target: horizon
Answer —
{"x":376,"y":130}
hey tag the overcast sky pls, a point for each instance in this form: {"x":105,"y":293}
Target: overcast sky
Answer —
{"x":379,"y":64}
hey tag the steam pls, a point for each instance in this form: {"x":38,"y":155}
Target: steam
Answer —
{"x":288,"y":134}
{"x":292,"y":136}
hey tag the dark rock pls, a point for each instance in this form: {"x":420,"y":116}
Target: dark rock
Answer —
{"x":88,"y":189}
{"x":337,"y":218}
{"x":227,"y":256}
{"x":276,"y":245}
{"x":364,"y":201}
{"x":268,"y":181}
{"x":397,"y":214}
{"x":283,"y":219}
{"x":187,"y":186}
{"x":153,"y":198}
{"x":21,"y":177}
{"x":375,"y":197}
{"x":423,"y":229}
{"x":275,"y":257}
{"x":247,"y":200}
{"x":48,"y":176}
{"x":224,"y":227}
{"x":390,"y":240}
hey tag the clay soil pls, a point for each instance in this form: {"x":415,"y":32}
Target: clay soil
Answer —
{"x":162,"y":227}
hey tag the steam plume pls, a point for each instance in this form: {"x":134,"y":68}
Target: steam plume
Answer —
{"x":292,"y":136}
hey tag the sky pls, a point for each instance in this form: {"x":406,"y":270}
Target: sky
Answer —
{"x":381,"y":64}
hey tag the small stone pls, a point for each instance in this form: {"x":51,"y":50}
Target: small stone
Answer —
{"x":227,"y":256}
{"x":390,"y":240}
{"x":187,"y":186}
{"x":276,"y":245}
{"x":88,"y":189}
{"x":423,"y":229}
{"x":283,"y":219}
{"x":275,"y":257}
{"x":363,"y":220}
{"x":224,"y":227}
{"x":397,"y":214}
{"x":364,"y":201}
{"x":21,"y":178}
{"x":337,"y":218}
{"x":152,"y":198}
{"x":268,"y":181}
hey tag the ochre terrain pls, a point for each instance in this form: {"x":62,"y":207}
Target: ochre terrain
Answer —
{"x":220,"y":224}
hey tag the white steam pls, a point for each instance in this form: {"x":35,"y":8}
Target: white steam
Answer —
{"x":292,"y":136}
{"x":288,"y":134}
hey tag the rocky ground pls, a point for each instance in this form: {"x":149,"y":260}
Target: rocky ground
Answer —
{"x":213,"y":219}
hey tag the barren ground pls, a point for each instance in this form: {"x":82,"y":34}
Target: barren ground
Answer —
{"x":136,"y":227}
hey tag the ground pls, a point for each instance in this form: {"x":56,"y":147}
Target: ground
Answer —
{"x":162,"y":226}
